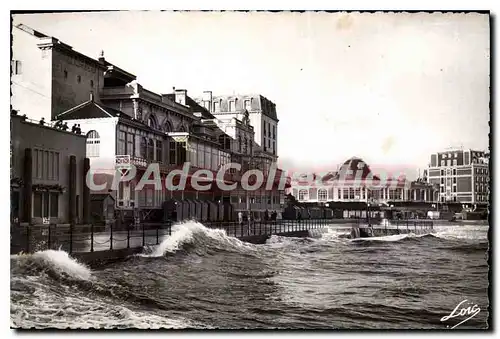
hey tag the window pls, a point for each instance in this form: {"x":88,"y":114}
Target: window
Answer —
{"x":454,"y":162}
{"x":93,"y":142}
{"x":45,"y":164}
{"x":231,"y":106}
{"x":78,"y":79}
{"x":269,"y":130}
{"x":65,"y":74}
{"x":274,"y":132}
{"x":239,"y":144}
{"x":269,"y":143}
{"x":444,"y":156}
{"x":144,"y":148}
{"x":274,"y":147}
{"x":171,"y":153}
{"x":248,"y":104}
{"x":91,"y":83}
{"x":303,"y":195}
{"x":442,"y":162}
{"x":45,"y":204}
{"x":167,"y":127}
{"x":448,"y":162}
{"x":152,"y":121}
{"x":265,"y":133}
{"x":454,"y":188}
{"x":121,"y":143}
{"x":322,"y":195}
{"x":455,"y":155}
{"x":216,"y":106}
{"x":16,"y":67}
{"x":130,"y":144}
{"x":442,"y":172}
{"x":151,"y":149}
{"x":159,"y":151}
{"x":454,"y":171}
{"x":454,"y":180}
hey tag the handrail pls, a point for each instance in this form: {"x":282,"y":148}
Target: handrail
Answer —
{"x":93,"y":238}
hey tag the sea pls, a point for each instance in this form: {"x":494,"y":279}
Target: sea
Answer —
{"x":201,"y":278}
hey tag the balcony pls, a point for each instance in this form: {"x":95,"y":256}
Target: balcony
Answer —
{"x":111,"y":91}
{"x":127,"y":161}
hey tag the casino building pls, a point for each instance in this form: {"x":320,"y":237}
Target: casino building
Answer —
{"x":353,"y":182}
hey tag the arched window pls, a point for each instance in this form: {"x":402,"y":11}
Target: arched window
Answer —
{"x":151,"y":149}
{"x":144,"y":147}
{"x":322,"y":195}
{"x":93,"y":142}
{"x":303,"y":195}
{"x":152,"y":121}
{"x":167,"y":127}
{"x":159,"y":151}
{"x":182,"y":128}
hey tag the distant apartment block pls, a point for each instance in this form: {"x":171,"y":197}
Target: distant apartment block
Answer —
{"x":462,"y":175}
{"x":262,"y":115}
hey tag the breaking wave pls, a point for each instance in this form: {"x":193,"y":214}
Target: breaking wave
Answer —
{"x":194,"y":237}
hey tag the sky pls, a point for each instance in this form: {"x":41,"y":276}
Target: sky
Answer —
{"x":390,"y":88}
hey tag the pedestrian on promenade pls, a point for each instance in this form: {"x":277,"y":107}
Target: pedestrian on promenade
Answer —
{"x":240,"y":218}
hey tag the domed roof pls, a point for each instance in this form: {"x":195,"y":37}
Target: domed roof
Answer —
{"x":350,"y":169}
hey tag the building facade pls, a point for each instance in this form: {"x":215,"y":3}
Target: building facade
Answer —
{"x":48,"y":76}
{"x":128,"y":125}
{"x":261,"y":111}
{"x":47,"y":174}
{"x":462,"y":175}
{"x":353,"y":182}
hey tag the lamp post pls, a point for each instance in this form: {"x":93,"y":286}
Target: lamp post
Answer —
{"x":368,"y":212}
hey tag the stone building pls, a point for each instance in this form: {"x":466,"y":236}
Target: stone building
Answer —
{"x":48,"y":76}
{"x":462,"y":176}
{"x":127,"y":124}
{"x":48,"y":167}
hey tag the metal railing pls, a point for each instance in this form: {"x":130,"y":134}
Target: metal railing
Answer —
{"x":90,"y":238}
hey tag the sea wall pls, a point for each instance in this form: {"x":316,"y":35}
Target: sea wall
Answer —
{"x":100,"y":258}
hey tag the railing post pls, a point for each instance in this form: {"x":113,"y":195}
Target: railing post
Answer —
{"x":111,"y":236}
{"x":71,"y":238}
{"x":92,"y":237}
{"x":128,"y":236}
{"x":48,"y":240}
{"x":143,"y":236}
{"x":28,"y":235}
{"x":158,"y":234}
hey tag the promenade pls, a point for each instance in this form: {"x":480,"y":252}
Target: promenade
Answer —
{"x":78,"y":239}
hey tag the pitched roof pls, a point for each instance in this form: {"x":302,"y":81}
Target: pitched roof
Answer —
{"x":90,"y":110}
{"x":100,"y":196}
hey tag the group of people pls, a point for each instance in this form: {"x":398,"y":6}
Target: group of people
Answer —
{"x":243,"y":217}
{"x":64,"y":126}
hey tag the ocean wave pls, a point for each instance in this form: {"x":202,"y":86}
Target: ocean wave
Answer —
{"x":56,"y":263}
{"x":194,"y":237}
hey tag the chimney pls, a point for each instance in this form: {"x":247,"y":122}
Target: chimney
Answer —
{"x":180,"y":96}
{"x":101,"y":57}
{"x":207,"y":96}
